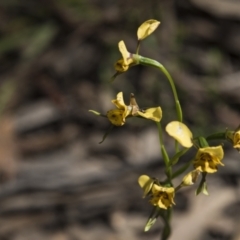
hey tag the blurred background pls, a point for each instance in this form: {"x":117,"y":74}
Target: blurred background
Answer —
{"x":56,"y":58}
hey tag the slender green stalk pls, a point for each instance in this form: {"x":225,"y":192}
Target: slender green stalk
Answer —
{"x":153,"y":63}
{"x":181,"y":170}
{"x":160,"y":134}
{"x":178,"y":187}
{"x":176,"y":146}
{"x":176,"y":157}
{"x":138,"y":47}
{"x":215,"y":136}
{"x":164,"y":154}
{"x":166,"y":216}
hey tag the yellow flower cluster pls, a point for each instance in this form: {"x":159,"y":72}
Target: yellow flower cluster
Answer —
{"x":207,"y":158}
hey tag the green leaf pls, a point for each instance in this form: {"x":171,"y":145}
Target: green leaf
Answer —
{"x":152,"y":218}
{"x":204,"y":189}
{"x":165,"y":155}
{"x":95,"y":112}
{"x":202,"y":142}
{"x":106,"y":134}
{"x":181,"y":169}
{"x":176,"y":157}
{"x":202,"y":186}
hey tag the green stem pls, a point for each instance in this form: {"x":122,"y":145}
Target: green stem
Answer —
{"x":176,"y":157}
{"x":164,"y":154}
{"x":166,"y":216}
{"x":138,"y":47}
{"x":178,"y":187}
{"x":156,"y":64}
{"x":160,"y":134}
{"x":216,"y":136}
{"x":181,"y":169}
{"x":176,"y":146}
{"x":153,"y":63}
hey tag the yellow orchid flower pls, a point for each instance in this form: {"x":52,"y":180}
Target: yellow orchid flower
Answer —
{"x":147,"y":28}
{"x":190,"y":178}
{"x":118,"y":116}
{"x":162,"y":196}
{"x":126,"y":61}
{"x":208,"y":159}
{"x":180,"y":132}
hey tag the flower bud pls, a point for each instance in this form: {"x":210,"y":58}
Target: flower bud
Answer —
{"x":190,"y":178}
